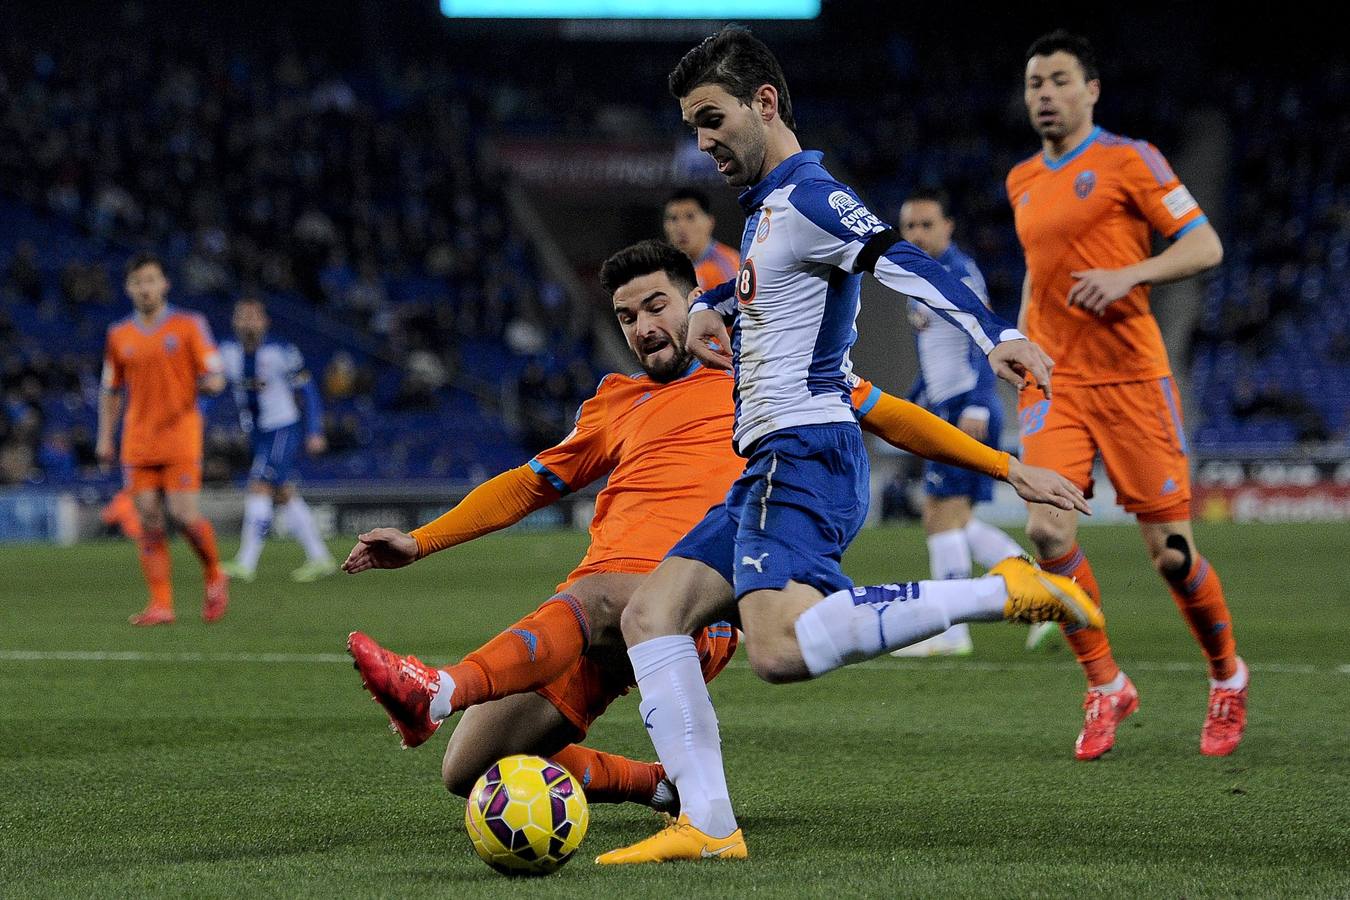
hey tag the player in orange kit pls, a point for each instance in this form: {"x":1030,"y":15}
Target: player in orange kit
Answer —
{"x":689,"y":223}
{"x":162,"y":358}
{"x":663,"y":437}
{"x":1085,"y":209}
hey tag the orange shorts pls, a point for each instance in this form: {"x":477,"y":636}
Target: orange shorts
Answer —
{"x":586,"y":690}
{"x":1135,"y":426}
{"x":170,"y":477}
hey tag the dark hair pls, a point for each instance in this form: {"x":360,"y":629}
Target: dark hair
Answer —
{"x":1075,"y":45}
{"x":141,"y":259}
{"x":644,"y":258}
{"x":694,"y":194}
{"x":739,"y":62}
{"x":934,"y":195}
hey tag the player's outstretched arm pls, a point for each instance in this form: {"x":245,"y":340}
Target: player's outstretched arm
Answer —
{"x":493,"y":505}
{"x":381,"y":548}
{"x":835,"y":228}
{"x":1036,"y":485}
{"x":913,"y":428}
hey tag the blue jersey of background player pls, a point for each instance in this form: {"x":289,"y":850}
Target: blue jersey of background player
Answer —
{"x":266,"y":375}
{"x":956,"y":383}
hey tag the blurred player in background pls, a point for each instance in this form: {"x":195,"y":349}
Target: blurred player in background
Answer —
{"x":663,"y":438}
{"x":1085,"y":209}
{"x":266,"y":375}
{"x":162,"y":358}
{"x":955,"y":383}
{"x":689,"y":225}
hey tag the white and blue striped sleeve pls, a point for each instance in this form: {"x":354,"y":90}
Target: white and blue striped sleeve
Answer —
{"x":721,"y":298}
{"x":834,"y":227}
{"x":905,"y":268}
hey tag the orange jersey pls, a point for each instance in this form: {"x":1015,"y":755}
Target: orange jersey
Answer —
{"x":668,"y":453}
{"x":718,"y":263}
{"x":159,"y":366}
{"x":1096,"y":208}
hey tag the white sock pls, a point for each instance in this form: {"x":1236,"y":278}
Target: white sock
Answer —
{"x":257,"y":521}
{"x":851,"y":625}
{"x":682,"y":724}
{"x":440,"y":704}
{"x":989,"y":546}
{"x":1236,"y":682}
{"x":949,"y":555}
{"x":300,"y":521}
{"x":1111,"y":686}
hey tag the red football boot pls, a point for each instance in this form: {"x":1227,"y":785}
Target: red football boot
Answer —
{"x":1226,"y":719}
{"x":1105,"y":710}
{"x":403,"y":685}
{"x":216,"y":599}
{"x":153,"y":615}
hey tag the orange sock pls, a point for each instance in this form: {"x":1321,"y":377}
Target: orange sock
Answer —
{"x":154,"y":554}
{"x":607,"y":778}
{"x":202,"y":537}
{"x":1199,"y":596}
{"x":1089,"y":645}
{"x":528,"y":655}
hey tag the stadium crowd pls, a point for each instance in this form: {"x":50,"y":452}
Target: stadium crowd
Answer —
{"x":262,"y":170}
{"x":360,"y":191}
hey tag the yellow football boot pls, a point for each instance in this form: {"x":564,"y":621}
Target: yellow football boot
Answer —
{"x":678,"y":842}
{"x":1038,"y":596}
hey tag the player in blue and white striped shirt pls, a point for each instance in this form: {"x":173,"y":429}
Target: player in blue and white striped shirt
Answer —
{"x":265,"y":376}
{"x":774,"y":547}
{"x":955,"y":384}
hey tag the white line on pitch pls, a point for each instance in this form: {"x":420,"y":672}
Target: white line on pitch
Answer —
{"x":138,"y":656}
{"x":946,"y":665}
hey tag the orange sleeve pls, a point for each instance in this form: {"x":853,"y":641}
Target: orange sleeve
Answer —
{"x":1158,"y":194}
{"x":913,"y":428}
{"x":586,"y":454}
{"x":494,"y":504}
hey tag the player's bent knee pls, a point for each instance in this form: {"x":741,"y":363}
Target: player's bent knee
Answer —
{"x":1050,"y":537}
{"x":456,"y":779}
{"x":639,"y":621}
{"x":777,"y":667}
{"x":1173,"y":559}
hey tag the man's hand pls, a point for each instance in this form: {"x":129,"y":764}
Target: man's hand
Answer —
{"x":1036,"y":485}
{"x":1014,"y":361}
{"x":211,"y":384}
{"x":1099,"y":288}
{"x":708,"y":339}
{"x":381,"y":548}
{"x":316,"y":444}
{"x":975,"y":426}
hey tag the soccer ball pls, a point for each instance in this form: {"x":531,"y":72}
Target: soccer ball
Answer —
{"x":526,"y":816}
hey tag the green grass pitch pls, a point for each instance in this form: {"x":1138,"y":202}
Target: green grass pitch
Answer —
{"x":215,"y":769}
